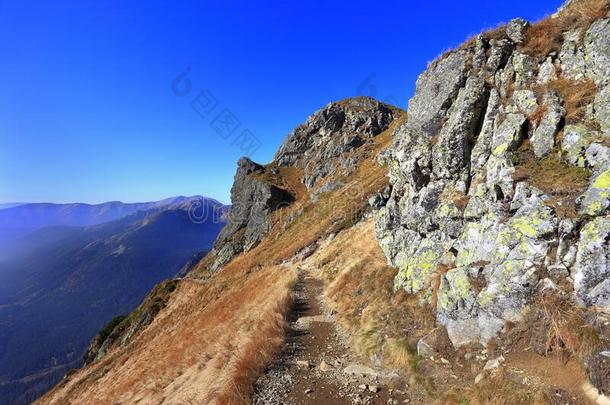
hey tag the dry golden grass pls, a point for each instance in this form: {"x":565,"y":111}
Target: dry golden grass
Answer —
{"x":561,"y":181}
{"x":206,"y":346}
{"x":460,"y":200}
{"x":546,"y":36}
{"x":489,"y":34}
{"x":576,"y":95}
{"x":498,"y":390}
{"x":360,"y":289}
{"x":435,"y":282}
{"x":568,"y":332}
{"x":286,"y":178}
{"x":536,"y":116}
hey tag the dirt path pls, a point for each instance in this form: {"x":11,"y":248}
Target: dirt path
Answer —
{"x":317,"y":366}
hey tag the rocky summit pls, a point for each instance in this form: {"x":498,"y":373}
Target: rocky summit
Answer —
{"x":320,"y":149}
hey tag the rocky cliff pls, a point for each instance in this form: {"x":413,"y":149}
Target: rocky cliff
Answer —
{"x":500,"y":177}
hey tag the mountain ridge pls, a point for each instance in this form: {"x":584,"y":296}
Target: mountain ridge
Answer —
{"x":489,"y":200}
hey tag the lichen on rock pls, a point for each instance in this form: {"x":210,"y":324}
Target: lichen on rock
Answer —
{"x":472,"y":110}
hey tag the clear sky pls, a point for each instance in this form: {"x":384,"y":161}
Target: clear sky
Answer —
{"x":89,"y":110}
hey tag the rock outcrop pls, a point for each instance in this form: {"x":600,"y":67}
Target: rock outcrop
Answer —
{"x":468,"y":234}
{"x":253,"y":199}
{"x":322,"y":145}
{"x":320,"y":149}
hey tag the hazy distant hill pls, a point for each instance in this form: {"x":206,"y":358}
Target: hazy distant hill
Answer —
{"x":22,"y":218}
{"x":64,"y":283}
{"x":9,"y":205}
{"x":18,"y":220}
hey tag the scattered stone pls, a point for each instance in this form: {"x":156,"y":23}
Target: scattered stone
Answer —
{"x":306,"y":321}
{"x":324,"y":366}
{"x":303,"y":363}
{"x":494,"y":363}
{"x":358,"y":369}
{"x":424,"y":349}
{"x":480,"y":377}
{"x":373,"y":388}
{"x":308,"y":391}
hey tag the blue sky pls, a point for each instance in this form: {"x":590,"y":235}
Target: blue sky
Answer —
{"x":88,"y":110}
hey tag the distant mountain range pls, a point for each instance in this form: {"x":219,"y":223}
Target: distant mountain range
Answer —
{"x":20,"y":219}
{"x":9,"y":205}
{"x":69,"y":269}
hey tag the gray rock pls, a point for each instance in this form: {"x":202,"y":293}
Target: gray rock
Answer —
{"x":597,"y":59}
{"x":525,"y":67}
{"x":543,"y":138}
{"x":508,"y":135}
{"x":454,"y":192}
{"x":596,"y":200}
{"x":253,"y":199}
{"x":456,"y":136}
{"x":321,"y":145}
{"x":358,"y":369}
{"x":597,"y":52}
{"x":597,"y":157}
{"x":547,"y":71}
{"x":592,"y":269}
{"x":457,"y":307}
{"x":576,"y":140}
{"x":598,"y":371}
{"x":515,"y":30}
{"x":482,"y":148}
{"x":377,"y":201}
{"x":572,"y":57}
{"x":525,"y":100}
{"x":437,"y":87}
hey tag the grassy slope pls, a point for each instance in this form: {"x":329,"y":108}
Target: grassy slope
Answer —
{"x":218,"y":332}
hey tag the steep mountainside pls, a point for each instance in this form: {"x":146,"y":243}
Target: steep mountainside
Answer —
{"x":475,"y":272}
{"x":72,"y":281}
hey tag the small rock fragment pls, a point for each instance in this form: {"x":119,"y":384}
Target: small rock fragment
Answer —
{"x":324,"y":366}
{"x":303,"y":363}
{"x":480,"y":377}
{"x":494,"y":363}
